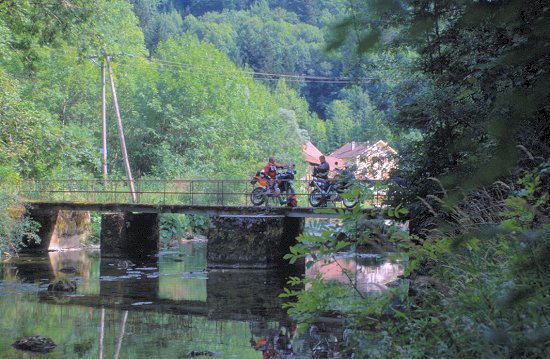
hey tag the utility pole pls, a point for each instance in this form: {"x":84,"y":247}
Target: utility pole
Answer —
{"x":104,"y":122}
{"x":103,"y":114}
{"x":106,"y":59}
{"x":121,"y":131}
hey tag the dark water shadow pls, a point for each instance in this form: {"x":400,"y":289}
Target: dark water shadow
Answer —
{"x":124,"y":284}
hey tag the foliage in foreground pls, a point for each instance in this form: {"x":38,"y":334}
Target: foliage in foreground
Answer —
{"x":480,"y":293}
{"x":14,"y":224}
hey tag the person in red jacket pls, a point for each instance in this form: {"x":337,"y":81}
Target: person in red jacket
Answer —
{"x":270,"y":171}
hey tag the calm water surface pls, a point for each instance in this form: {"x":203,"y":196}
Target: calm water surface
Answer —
{"x":166,"y":307}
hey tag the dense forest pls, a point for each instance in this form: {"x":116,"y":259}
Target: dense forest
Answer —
{"x":211,"y":88}
{"x":349,"y":92}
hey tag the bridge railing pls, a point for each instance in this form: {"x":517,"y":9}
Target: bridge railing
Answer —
{"x":165,"y":192}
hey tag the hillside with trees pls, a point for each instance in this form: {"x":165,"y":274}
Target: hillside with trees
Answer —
{"x":179,"y":121}
{"x":288,"y":39}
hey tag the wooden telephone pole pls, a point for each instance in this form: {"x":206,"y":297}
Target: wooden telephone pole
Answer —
{"x":107,"y":59}
{"x":104,"y":122}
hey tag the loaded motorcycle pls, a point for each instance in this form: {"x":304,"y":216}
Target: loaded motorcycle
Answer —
{"x":282,"y":191}
{"x":326,"y":190}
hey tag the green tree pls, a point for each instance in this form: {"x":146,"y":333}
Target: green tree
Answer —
{"x":221,"y":122}
{"x":480,"y":52}
{"x":34,"y":25}
{"x":161,"y":27}
{"x":29,"y":142}
{"x":343,"y":124}
{"x":371,"y":123}
{"x":476,"y":271}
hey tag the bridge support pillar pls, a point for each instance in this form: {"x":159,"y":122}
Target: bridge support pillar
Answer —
{"x":60,"y":229}
{"x":47,"y":220}
{"x":129,"y":234}
{"x":251,"y":242}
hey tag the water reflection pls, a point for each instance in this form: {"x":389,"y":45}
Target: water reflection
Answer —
{"x":368,"y":272}
{"x":166,"y":306}
{"x":182,"y":275}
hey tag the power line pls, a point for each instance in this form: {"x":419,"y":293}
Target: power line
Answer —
{"x":255,"y":73}
{"x":261,"y":76}
{"x":264,"y":76}
{"x":236,"y":74}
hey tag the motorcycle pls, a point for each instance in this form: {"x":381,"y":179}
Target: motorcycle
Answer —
{"x":282,"y":189}
{"x":326,"y":190}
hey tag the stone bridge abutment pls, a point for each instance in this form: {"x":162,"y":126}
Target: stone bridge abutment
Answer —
{"x":60,"y":229}
{"x":251,"y":242}
{"x":233,"y":241}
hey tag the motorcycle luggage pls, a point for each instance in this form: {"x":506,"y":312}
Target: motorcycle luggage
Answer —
{"x":292,"y":201}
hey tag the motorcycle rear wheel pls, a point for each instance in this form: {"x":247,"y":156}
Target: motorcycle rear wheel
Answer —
{"x":316,"y":198}
{"x":257,"y":196}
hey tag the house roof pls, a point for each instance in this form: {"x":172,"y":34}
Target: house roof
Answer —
{"x":354,"y":149}
{"x":312,"y":153}
{"x":383,"y":146}
{"x":350,"y":150}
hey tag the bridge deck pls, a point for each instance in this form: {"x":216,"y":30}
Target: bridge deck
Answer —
{"x":210,"y":210}
{"x":208,"y":197}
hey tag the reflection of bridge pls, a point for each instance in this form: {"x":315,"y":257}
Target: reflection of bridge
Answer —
{"x":264,"y":306}
{"x":243,"y":295}
{"x":152,"y":302}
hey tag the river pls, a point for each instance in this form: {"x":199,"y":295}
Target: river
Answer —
{"x":170,"y":306}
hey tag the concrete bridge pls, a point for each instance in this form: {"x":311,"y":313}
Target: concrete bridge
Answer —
{"x":208,"y":210}
{"x":240,"y":235}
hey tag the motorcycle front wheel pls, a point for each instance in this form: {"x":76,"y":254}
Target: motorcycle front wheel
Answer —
{"x":257,"y":197}
{"x":349,"y":202}
{"x":315,"y":198}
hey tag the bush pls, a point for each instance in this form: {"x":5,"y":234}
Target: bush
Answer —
{"x":176,"y":226}
{"x":479,"y":290}
{"x":15,"y":225}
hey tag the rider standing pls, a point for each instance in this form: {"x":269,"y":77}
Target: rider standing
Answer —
{"x":270,"y":171}
{"x":322,"y":170}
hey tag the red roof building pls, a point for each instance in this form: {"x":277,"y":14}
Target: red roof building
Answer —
{"x":350,"y":150}
{"x":373,"y":161}
{"x":311,"y":155}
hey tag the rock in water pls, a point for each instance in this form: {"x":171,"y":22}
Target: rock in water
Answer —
{"x":199,"y":353}
{"x":62,"y":285}
{"x":69,"y":269}
{"x":35,"y":343}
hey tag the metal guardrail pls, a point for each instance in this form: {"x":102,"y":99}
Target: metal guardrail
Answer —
{"x":161,"y":192}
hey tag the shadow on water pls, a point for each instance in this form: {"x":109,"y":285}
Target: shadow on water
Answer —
{"x":172,"y":282}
